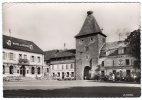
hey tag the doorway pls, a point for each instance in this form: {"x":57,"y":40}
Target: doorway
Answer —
{"x":63,"y":75}
{"x":22,"y":70}
{"x":86,"y":73}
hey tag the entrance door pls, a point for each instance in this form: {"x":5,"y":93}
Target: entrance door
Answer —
{"x":22,"y":70}
{"x":63,"y":75}
{"x":86,"y":73}
{"x":128,"y":72}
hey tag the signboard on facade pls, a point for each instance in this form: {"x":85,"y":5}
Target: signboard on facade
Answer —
{"x":10,"y":43}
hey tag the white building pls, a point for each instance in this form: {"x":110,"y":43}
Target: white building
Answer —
{"x":115,"y":57}
{"x":61,"y":64}
{"x":21,"y":58}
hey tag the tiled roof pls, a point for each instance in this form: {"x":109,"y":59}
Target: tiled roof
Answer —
{"x":59,"y":54}
{"x":65,"y":53}
{"x":112,"y":48}
{"x":90,"y":26}
{"x":113,"y":45}
{"x":50,"y":54}
{"x":20,"y":45}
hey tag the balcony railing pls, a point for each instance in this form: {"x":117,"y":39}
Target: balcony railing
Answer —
{"x":23,"y":61}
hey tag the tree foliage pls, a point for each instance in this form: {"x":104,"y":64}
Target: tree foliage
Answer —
{"x":134,"y":44}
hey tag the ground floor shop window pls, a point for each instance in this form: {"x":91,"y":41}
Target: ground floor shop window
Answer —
{"x":38,"y":70}
{"x":67,"y":74}
{"x":102,"y":73}
{"x":72,"y":74}
{"x":11,"y":70}
{"x":128,"y":72}
{"x":47,"y":70}
{"x":27,"y":71}
{"x":58,"y":74}
{"x":18,"y":71}
{"x":114,"y":71}
{"x":53,"y":74}
{"x":33,"y":70}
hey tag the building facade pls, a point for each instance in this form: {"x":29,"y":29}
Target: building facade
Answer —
{"x":116,"y":58}
{"x":61,"y":64}
{"x":89,"y":41}
{"x":21,"y":58}
{"x":92,"y":56}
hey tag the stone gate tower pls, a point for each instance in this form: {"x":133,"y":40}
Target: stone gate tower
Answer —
{"x":88,"y":44}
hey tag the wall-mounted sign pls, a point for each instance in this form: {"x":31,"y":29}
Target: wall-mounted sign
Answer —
{"x":10,"y":43}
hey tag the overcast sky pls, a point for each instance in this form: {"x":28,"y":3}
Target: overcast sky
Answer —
{"x":50,"y":25}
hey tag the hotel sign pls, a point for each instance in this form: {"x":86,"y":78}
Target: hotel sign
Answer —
{"x":10,"y":43}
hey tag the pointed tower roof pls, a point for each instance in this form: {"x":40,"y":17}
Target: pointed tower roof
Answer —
{"x":90,"y":26}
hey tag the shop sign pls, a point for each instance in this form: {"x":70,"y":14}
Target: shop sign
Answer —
{"x":10,"y":43}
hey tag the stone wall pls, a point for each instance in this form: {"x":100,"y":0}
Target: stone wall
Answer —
{"x":87,"y":54}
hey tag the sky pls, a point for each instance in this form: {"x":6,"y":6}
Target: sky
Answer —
{"x":50,"y":25}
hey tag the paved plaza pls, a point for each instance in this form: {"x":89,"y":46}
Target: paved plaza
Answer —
{"x":54,"y":84}
{"x":46,"y":88}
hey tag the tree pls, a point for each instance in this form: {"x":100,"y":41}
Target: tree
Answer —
{"x":133,"y":41}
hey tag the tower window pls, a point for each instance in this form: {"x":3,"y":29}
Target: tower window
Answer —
{"x":91,"y":38}
{"x":86,"y":48}
{"x":87,"y":57}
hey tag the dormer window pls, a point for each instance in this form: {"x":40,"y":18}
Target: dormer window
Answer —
{"x":121,"y":51}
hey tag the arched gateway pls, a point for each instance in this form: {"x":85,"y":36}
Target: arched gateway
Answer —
{"x":89,"y":41}
{"x":86,"y":73}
